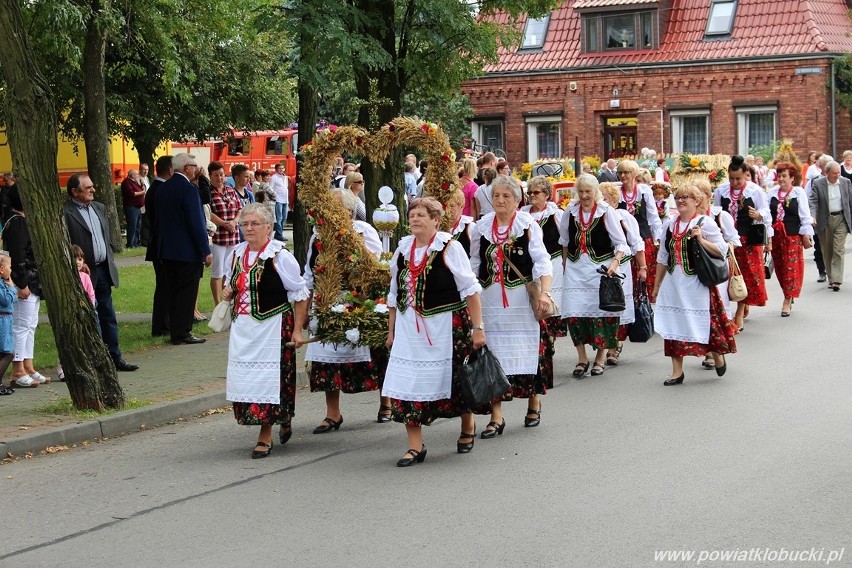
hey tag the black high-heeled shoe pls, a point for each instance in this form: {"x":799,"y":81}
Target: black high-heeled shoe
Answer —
{"x":328,"y":425}
{"x":675,"y":381}
{"x":465,"y":447}
{"x":533,"y":422}
{"x":496,"y":430}
{"x":284,"y":434}
{"x":381,"y":417}
{"x":257,"y":454}
{"x":720,"y":371}
{"x":416,"y":457}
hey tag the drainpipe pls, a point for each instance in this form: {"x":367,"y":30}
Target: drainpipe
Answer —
{"x":662,"y":145}
{"x":833,"y":115}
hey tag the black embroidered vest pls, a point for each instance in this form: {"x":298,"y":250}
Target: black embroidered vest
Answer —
{"x":463,"y":238}
{"x":639,"y":212}
{"x":435,"y":291}
{"x":686,"y":252}
{"x":598,"y":242}
{"x":792,"y":221}
{"x":519,"y":254}
{"x":744,"y":222}
{"x":551,"y":236}
{"x":267,"y":295}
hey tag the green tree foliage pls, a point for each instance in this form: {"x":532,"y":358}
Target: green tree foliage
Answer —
{"x":843,"y":81}
{"x":173,"y":70}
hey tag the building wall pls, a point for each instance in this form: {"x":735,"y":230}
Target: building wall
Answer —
{"x":803,"y":104}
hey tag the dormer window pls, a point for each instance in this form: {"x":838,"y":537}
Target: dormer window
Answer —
{"x":620,"y":30}
{"x":535,"y":32}
{"x":721,"y":19}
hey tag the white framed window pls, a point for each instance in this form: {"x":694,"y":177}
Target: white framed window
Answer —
{"x":535,"y":32}
{"x":755,"y":126}
{"x":720,"y":22}
{"x":690,"y":131}
{"x":544,"y":137}
{"x":487,"y":135}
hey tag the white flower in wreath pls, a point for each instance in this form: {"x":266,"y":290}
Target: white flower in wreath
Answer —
{"x":313,"y":326}
{"x":338,"y":308}
{"x":381,"y":308}
{"x":353,"y":335}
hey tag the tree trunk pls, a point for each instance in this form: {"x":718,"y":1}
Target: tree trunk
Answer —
{"x":95,"y":131}
{"x":308,"y":108}
{"x":146,"y":149}
{"x":89,"y":371}
{"x":385,"y":109}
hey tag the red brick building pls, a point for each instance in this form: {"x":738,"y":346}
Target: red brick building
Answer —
{"x":699,"y":76}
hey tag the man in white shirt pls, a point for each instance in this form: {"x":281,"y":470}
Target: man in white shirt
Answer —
{"x":280,"y":185}
{"x":831,"y":208}
{"x":813,"y":172}
{"x":608,"y":171}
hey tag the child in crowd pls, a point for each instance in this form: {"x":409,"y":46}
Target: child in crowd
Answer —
{"x":86,"y":280}
{"x":8,"y":297}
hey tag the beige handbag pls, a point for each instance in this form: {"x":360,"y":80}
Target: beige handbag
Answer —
{"x":534,"y":292}
{"x":737,"y":290}
{"x":220,"y":320}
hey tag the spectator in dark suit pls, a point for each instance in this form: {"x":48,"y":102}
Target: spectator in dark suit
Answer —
{"x":608,"y":172}
{"x":159,"y":312}
{"x":88,"y":228}
{"x":182,"y":245}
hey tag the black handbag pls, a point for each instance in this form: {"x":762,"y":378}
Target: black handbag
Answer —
{"x":711,"y":271}
{"x":768,"y":264}
{"x":642,"y":329}
{"x":482,"y":378}
{"x":610,"y":292}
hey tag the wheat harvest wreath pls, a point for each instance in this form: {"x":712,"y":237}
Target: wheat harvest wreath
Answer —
{"x":350,"y":284}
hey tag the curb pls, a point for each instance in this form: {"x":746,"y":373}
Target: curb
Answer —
{"x":125,"y":422}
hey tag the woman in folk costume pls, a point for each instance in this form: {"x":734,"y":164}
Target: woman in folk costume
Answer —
{"x":747,"y":204}
{"x":630,"y":227}
{"x":592,"y":237}
{"x":506,"y":251}
{"x":264,"y":280}
{"x":342,"y":367}
{"x":435,"y":322}
{"x":793,"y":232}
{"x":548,"y":216}
{"x":690,"y":316}
{"x":638,"y":199}
{"x":460,"y":229}
{"x":729,"y":233}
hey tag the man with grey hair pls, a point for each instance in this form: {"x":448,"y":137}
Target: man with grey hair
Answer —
{"x":830,"y":201}
{"x":608,"y":172}
{"x":182,"y":246}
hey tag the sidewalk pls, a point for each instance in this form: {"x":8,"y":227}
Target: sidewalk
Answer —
{"x":173,"y":381}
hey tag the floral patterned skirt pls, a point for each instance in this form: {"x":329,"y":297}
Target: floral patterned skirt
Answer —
{"x":556,"y":326}
{"x":600,"y":333}
{"x":257,"y":414}
{"x":722,"y":332}
{"x":789,"y":258}
{"x":623,"y":332}
{"x":345,"y":377}
{"x":423,"y":413}
{"x":651,"y":260}
{"x":750,"y":259}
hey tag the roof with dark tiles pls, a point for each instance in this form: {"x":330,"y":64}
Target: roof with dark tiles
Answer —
{"x":762,"y":28}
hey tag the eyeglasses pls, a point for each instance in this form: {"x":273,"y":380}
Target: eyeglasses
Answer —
{"x":252,"y":225}
{"x":534,"y":193}
{"x":682,"y":197}
{"x":358,"y":182}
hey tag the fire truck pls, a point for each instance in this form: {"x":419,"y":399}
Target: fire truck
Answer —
{"x":259,"y":150}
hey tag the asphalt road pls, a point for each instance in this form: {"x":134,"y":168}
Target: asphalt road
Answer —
{"x":621,"y":467}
